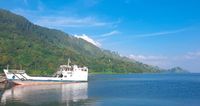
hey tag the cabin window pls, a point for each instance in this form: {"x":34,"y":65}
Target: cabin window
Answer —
{"x":65,"y":76}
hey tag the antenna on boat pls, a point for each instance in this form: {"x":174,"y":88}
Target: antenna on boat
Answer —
{"x":68,"y":61}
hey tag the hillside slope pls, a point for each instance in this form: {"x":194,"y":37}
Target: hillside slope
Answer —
{"x":175,"y":70}
{"x":41,"y":50}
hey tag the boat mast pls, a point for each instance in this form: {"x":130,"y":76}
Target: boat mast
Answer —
{"x":68,"y":61}
{"x":7,"y":66}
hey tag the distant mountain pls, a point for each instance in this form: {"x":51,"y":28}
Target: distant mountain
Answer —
{"x":176,"y":70}
{"x":41,"y":50}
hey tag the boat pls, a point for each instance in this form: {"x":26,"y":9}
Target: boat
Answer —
{"x":65,"y":74}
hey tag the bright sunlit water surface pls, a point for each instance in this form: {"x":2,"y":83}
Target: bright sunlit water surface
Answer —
{"x":111,"y":90}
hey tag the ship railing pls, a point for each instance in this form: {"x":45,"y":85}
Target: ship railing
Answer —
{"x":18,"y":74}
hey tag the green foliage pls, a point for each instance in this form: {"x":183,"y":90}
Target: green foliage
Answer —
{"x":41,"y":50}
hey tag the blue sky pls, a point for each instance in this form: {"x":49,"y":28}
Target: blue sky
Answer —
{"x":157,"y":32}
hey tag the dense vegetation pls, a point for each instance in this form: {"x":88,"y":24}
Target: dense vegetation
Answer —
{"x":41,"y":50}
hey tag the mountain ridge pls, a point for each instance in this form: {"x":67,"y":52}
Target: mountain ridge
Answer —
{"x":41,"y":50}
{"x":175,"y":70}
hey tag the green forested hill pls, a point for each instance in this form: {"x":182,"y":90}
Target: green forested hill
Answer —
{"x":174,"y":70}
{"x":41,"y":50}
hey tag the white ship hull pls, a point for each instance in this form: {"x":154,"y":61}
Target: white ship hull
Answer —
{"x":24,"y":79}
{"x":35,"y":82}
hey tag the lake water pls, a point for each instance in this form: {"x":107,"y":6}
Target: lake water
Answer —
{"x":111,"y":90}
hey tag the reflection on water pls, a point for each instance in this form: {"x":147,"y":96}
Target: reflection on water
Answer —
{"x":46,"y":94}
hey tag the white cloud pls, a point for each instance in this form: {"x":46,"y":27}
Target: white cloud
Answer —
{"x":114,"y":32}
{"x":60,"y":21}
{"x":105,"y":36}
{"x":88,"y":39}
{"x":160,"y":33}
{"x":190,"y":61}
{"x":192,"y":55}
{"x":142,"y":57}
{"x":161,"y":61}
